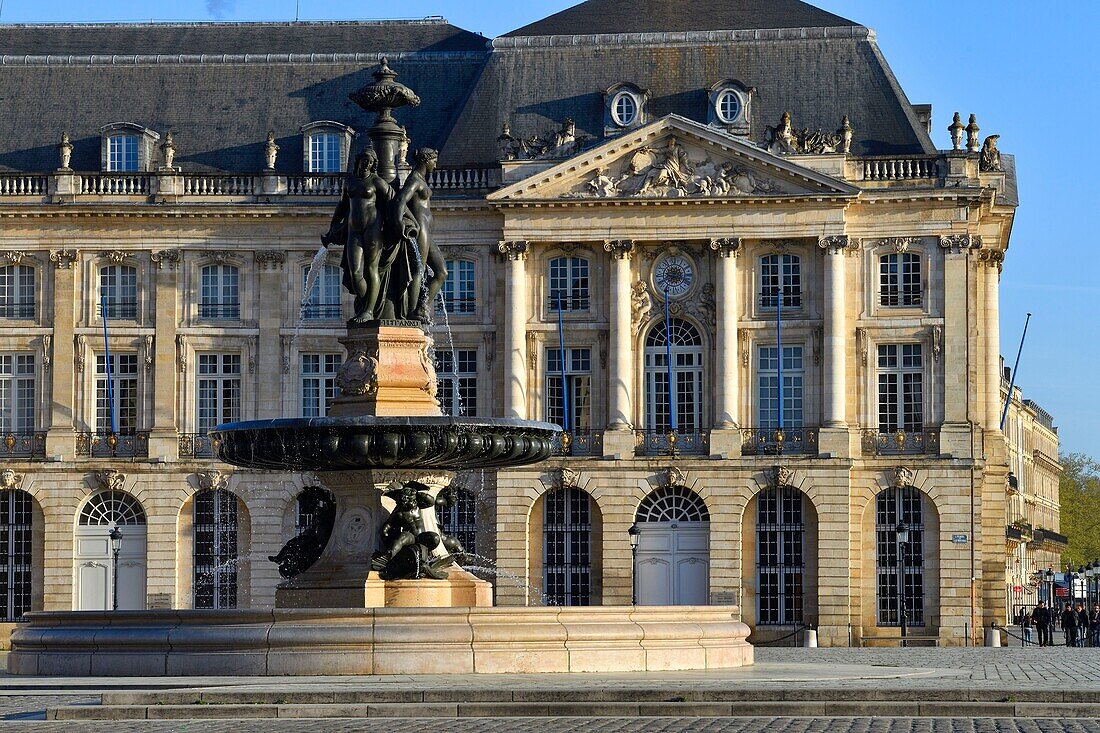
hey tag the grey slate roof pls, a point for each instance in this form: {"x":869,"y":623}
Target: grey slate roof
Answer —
{"x":671,"y":16}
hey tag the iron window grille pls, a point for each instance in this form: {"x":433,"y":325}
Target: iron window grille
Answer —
{"x":16,"y":553}
{"x":215,"y":558}
{"x":780,"y":556}
{"x":111,"y":509}
{"x":896,"y":506}
{"x":567,"y":547}
{"x":460,"y":520}
{"x":672,"y":504}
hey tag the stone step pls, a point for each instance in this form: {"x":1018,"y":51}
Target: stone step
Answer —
{"x":787,"y":708}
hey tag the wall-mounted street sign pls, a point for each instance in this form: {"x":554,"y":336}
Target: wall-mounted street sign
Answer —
{"x":958,"y":539}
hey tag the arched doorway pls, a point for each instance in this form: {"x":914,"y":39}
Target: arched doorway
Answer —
{"x":672,"y":565}
{"x":899,"y":566}
{"x":215,"y":549}
{"x":567,"y":547}
{"x":93,"y":564}
{"x":17,"y":579}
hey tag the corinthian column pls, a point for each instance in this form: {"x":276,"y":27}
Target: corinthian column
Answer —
{"x":725,"y":410}
{"x":834,"y":435}
{"x":619,"y":439}
{"x":515,"y":327}
{"x":993,"y":259}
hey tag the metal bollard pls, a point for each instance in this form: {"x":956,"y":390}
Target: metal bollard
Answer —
{"x":809,"y":641}
{"x":993,"y":636}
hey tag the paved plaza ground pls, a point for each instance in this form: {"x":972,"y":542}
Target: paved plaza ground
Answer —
{"x":1012,"y":673}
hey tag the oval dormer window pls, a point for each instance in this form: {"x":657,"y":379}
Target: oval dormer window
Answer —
{"x":729,"y":107}
{"x":624,"y":109}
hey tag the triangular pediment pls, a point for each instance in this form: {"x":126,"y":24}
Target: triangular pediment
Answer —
{"x":674,"y":158}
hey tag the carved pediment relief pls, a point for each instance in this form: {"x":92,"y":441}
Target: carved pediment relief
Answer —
{"x":674,"y":158}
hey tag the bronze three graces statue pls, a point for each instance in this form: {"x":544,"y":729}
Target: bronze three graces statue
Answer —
{"x":390,"y":263}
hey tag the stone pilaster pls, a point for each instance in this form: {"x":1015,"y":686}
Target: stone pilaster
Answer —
{"x":266,"y":350}
{"x":725,"y":438}
{"x":958,"y":346}
{"x":60,"y":438}
{"x":164,"y":438}
{"x":835,"y":438}
{"x":515,"y":325}
{"x":618,"y":440}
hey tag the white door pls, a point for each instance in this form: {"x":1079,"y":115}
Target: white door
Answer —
{"x":94,"y":568}
{"x":673,"y":563}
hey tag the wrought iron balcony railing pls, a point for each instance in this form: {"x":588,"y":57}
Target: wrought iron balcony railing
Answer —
{"x":457,"y":306}
{"x":195,"y":445}
{"x":118,"y":309}
{"x":30,"y":446}
{"x":322,"y":311}
{"x":668,"y":443}
{"x":579,"y":443}
{"x":113,"y":445}
{"x":20,"y":311}
{"x":776,"y":442}
{"x":224,"y":311}
{"x":901,"y":442}
{"x":568,"y":303}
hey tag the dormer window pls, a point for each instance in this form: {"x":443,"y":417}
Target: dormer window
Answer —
{"x":325,"y":146}
{"x":730,"y":106}
{"x":127,"y":148}
{"x":624,"y":108}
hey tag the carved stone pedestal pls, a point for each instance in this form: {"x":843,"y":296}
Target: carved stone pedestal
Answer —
{"x":461,"y":589}
{"x":387,"y":373}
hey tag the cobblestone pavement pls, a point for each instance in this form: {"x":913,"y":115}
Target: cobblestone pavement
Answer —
{"x":587,"y":725}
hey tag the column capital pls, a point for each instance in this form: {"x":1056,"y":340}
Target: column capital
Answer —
{"x":838,"y":244}
{"x":166,"y":259}
{"x":992,"y":258}
{"x":619,"y":249}
{"x":954,"y":243}
{"x":514,"y":250}
{"x":63,"y":259}
{"x":726,"y":246}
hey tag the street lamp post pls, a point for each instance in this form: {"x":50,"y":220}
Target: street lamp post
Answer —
{"x":1049,"y":577}
{"x":633,"y":532}
{"x":903,"y":606}
{"x":116,"y":547}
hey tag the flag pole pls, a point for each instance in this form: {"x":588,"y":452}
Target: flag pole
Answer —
{"x":110,"y":371}
{"x":779,"y":354}
{"x":1012,"y":379}
{"x":668,"y":359}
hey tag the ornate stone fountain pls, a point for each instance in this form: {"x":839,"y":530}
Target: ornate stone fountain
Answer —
{"x":376,"y":585}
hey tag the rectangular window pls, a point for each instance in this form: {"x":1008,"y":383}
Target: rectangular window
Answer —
{"x":323,"y":301}
{"x":319,"y":383}
{"x":122,"y":153}
{"x":780,"y":270}
{"x":457,"y":374}
{"x":325,"y":153}
{"x":17,"y":292}
{"x":569,"y":284}
{"x":768,"y":387}
{"x":219,"y":390}
{"x":221,"y":292}
{"x":459,"y":290}
{"x":900,"y":280}
{"x":118,"y":292}
{"x":124,"y":391}
{"x":900,"y":388}
{"x":578,"y":376}
{"x":17,"y":394}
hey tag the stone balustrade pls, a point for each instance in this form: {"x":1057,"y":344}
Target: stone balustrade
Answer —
{"x":929,"y":167}
{"x":201,"y":184}
{"x":23,"y":184}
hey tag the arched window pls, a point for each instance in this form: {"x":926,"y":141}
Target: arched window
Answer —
{"x":893,"y":507}
{"x":460,"y":287}
{"x":687,"y":374}
{"x":16,"y":527}
{"x":221,"y":292}
{"x":900,"y":280}
{"x":215,"y":542}
{"x":780,"y":271}
{"x":118,"y":292}
{"x":569,"y":284}
{"x":567,"y":547}
{"x":17,"y":292}
{"x":323,"y":299}
{"x":112,"y":508}
{"x":780,"y":559}
{"x":460,"y":521}
{"x":672,"y":504}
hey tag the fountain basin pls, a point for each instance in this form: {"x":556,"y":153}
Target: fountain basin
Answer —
{"x":359,"y":443}
{"x":380,"y":641}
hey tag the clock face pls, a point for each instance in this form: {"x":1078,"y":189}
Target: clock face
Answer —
{"x":673,"y":274}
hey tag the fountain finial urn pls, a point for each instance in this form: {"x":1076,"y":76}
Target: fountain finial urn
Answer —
{"x":383,"y":96}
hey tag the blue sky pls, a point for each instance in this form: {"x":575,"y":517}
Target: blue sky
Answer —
{"x":1028,"y":73}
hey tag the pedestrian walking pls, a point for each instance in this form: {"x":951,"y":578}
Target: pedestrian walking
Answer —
{"x":1028,"y":626}
{"x":1042,"y":619}
{"x":1082,"y":625}
{"x":1094,"y":626}
{"x":1069,"y":625}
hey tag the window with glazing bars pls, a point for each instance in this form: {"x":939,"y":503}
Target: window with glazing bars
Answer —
{"x":124,"y":389}
{"x":687,"y":361}
{"x":567,"y":548}
{"x":780,"y":270}
{"x":17,"y":292}
{"x":456,"y":372}
{"x":219,"y":390}
{"x":460,"y":521}
{"x":780,"y":559}
{"x":215,"y":559}
{"x":578,"y":375}
{"x":122,"y":153}
{"x":459,"y":289}
{"x":323,"y":300}
{"x":768,"y":387}
{"x":892,"y":507}
{"x":569,"y":283}
{"x":17,"y":393}
{"x":16,"y":531}
{"x":900,"y":388}
{"x":221,"y":292}
{"x":900,"y":279}
{"x":118,"y":292}
{"x":319,"y":383}
{"x":325,"y":153}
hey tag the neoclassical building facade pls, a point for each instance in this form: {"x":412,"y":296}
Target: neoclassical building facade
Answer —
{"x":621,"y":210}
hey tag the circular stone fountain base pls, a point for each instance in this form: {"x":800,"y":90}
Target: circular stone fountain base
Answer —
{"x":380,"y":641}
